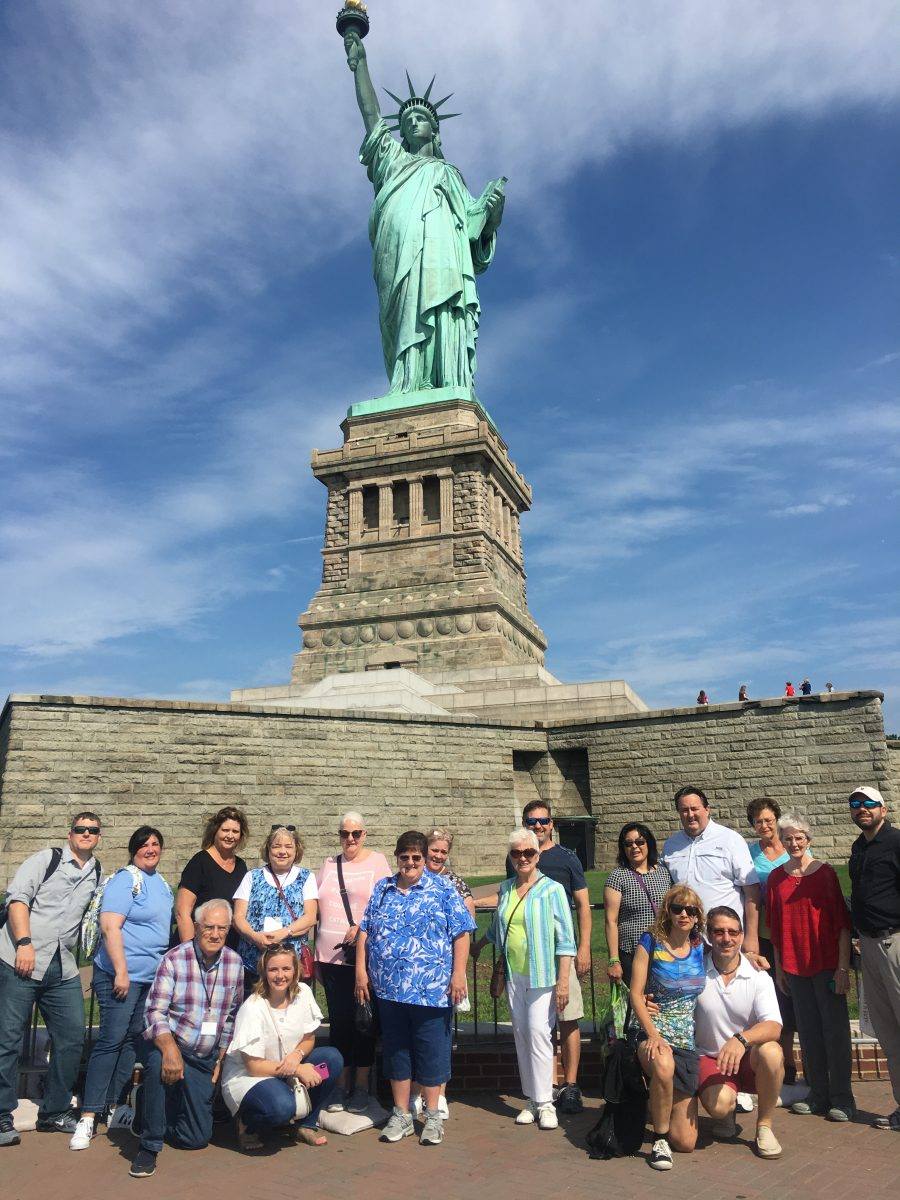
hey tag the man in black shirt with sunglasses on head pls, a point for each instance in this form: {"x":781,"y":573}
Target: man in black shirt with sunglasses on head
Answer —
{"x":875,"y":905}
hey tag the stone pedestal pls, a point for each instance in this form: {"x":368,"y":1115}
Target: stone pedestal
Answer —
{"x":423,"y":563}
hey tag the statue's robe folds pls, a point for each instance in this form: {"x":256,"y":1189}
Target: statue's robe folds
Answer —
{"x":428,"y":244}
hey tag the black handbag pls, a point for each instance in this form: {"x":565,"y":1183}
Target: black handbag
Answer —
{"x":364,"y":1017}
{"x":623,"y":1118}
{"x":348,"y":949}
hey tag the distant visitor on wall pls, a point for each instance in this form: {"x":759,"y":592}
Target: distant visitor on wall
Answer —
{"x":702,"y":697}
{"x":789,"y":689}
{"x":742,"y":694}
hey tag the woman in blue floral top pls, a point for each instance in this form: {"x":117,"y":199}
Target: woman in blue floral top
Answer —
{"x":277,"y":902}
{"x":411,"y":954}
{"x":668,"y":964}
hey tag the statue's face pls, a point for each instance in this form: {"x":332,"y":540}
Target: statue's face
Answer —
{"x":417,"y":129}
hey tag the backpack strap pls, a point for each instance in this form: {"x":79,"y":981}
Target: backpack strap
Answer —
{"x":55,"y":860}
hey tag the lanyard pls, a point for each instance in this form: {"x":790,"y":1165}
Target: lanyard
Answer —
{"x":208,"y":992}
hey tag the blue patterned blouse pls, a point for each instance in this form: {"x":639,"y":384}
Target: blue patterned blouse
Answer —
{"x":410,"y":939}
{"x":264,"y":901}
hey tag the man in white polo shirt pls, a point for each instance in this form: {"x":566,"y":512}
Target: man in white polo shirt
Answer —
{"x":715,"y":861}
{"x":737,"y":1024}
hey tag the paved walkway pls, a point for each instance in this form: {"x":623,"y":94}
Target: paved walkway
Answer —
{"x":485,"y":1156}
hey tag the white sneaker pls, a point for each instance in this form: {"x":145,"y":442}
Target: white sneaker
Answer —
{"x":744,"y":1102}
{"x":83,"y":1135}
{"x":417,"y":1108}
{"x":546,"y":1116}
{"x":443,"y":1108}
{"x":661,"y":1155}
{"x":528,"y":1113}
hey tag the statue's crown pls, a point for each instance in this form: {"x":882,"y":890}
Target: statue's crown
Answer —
{"x":414,"y":100}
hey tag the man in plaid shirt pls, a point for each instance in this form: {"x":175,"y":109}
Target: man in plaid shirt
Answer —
{"x":198,"y":988}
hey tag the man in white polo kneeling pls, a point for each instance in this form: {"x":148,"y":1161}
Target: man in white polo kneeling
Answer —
{"x":737,"y":1024}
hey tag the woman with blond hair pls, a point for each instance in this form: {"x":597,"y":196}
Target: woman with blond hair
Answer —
{"x":272,"y":1051}
{"x":276,"y":904}
{"x":668,"y":964}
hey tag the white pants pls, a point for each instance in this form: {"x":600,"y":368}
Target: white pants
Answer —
{"x":533,"y":1014}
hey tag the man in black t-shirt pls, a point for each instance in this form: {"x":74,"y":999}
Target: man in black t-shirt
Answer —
{"x":875,"y":905}
{"x":561,"y":865}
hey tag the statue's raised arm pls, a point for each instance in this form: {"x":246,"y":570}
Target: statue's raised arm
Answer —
{"x":430,"y":236}
{"x":365,"y":91}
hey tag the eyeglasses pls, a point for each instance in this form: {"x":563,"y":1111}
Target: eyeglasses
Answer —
{"x":93,"y":830}
{"x":636,"y":842}
{"x":526,"y":854}
{"x":530,"y":822}
{"x":858,"y":802}
{"x":723,"y":933}
{"x":356,"y":834}
{"x":289,"y":828}
{"x":678,"y":909}
{"x":413,"y":859}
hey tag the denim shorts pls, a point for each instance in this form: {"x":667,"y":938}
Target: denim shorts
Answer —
{"x":416,"y":1042}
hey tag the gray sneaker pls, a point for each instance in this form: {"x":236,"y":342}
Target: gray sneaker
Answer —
{"x":433,"y":1129}
{"x":8,"y":1133}
{"x":338,"y":1101}
{"x":358,"y":1101}
{"x":399,"y":1126}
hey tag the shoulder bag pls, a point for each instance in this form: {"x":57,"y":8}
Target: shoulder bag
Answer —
{"x":348,"y":949}
{"x":498,"y":975}
{"x":302,"y":1102}
{"x":643,"y":883}
{"x":307,"y":963}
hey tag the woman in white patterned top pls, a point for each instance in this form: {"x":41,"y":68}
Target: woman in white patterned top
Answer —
{"x":632,"y":896}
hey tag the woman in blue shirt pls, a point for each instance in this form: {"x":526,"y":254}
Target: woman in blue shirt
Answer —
{"x":668,"y":964}
{"x":411,"y":953}
{"x":135,"y":924}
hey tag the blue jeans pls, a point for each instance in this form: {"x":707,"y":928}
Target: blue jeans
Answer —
{"x":270,"y":1102}
{"x":120,"y":1043}
{"x":416,"y":1042}
{"x":182,"y":1111}
{"x":60,"y":1003}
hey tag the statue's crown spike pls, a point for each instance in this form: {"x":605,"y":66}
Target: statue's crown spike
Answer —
{"x":430,"y":86}
{"x":438,"y":103}
{"x":414,"y":100}
{"x":412,"y":90}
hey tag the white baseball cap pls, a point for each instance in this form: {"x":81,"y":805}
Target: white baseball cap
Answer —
{"x":870,"y":792}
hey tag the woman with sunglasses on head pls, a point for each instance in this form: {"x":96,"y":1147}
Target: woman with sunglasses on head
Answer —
{"x":810,"y":930}
{"x":632,"y":896}
{"x":411,"y":956}
{"x":668,"y":964}
{"x":276,"y":904}
{"x":533,"y":932}
{"x":345,"y":882}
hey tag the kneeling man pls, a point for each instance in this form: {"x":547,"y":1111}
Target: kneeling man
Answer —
{"x":737,"y":1024}
{"x":190,"y":1015}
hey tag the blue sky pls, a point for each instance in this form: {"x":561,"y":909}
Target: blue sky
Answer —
{"x":690,"y":334}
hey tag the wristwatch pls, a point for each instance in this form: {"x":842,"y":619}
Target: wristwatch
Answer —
{"x":740,"y":1037}
{"x":25,"y":941}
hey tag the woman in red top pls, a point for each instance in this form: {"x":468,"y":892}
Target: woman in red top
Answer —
{"x":810,"y":930}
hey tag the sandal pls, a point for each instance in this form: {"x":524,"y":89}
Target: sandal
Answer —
{"x":309,"y":1137}
{"x":248,"y":1142}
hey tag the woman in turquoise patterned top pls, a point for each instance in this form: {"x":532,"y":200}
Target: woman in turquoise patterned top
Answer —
{"x":668,"y":965}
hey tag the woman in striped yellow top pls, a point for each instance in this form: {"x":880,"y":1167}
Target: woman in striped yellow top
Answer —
{"x":533,"y":929}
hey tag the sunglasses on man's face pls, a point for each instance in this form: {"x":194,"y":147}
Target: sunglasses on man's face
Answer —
{"x":863,"y":802}
{"x":526,"y":854}
{"x":678,"y":909}
{"x":532,"y":821}
{"x":289,"y":828}
{"x":356,"y":834}
{"x":93,"y":830}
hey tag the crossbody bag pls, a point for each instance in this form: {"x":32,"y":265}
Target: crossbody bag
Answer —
{"x":307,"y":963}
{"x":498,"y":975}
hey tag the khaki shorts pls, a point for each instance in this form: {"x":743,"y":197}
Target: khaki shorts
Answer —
{"x":574,"y":1010}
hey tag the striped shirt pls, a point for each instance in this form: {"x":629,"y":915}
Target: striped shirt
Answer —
{"x":548,"y":925}
{"x":185,"y":997}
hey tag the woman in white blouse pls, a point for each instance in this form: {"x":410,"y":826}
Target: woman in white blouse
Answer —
{"x":273,"y":1051}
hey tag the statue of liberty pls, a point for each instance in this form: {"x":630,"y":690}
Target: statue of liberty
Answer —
{"x":430,"y":238}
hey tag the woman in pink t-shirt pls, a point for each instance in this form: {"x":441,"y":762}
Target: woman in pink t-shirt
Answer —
{"x":341,"y":907}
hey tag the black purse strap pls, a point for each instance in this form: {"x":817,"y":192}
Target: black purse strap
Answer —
{"x":643,"y":883}
{"x":342,"y":889}
{"x":510,"y":921}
